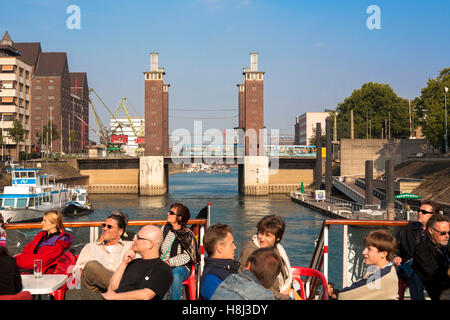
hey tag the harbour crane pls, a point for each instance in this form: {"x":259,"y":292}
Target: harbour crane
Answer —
{"x":138,"y":134}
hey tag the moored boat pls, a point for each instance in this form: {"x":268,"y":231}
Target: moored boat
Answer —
{"x":30,"y":195}
{"x":80,"y":204}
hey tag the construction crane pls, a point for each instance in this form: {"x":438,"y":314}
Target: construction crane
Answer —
{"x":138,"y":134}
{"x":103,"y":132}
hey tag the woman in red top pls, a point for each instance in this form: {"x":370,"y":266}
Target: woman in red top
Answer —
{"x":48,"y":244}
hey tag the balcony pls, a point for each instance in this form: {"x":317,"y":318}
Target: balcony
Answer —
{"x":8,"y":76}
{"x":9,"y":108}
{"x":8,"y":92}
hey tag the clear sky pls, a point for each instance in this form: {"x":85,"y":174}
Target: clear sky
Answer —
{"x":314,"y":53}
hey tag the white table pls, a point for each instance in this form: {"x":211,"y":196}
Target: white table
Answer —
{"x":45,"y":285}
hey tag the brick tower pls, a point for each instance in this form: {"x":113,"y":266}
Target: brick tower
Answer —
{"x":156,"y":110}
{"x":251,"y":106}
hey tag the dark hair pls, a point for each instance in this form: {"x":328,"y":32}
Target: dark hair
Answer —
{"x":435,"y":218}
{"x":265,"y":265}
{"x":4,"y":251}
{"x":273,"y":224}
{"x":383,"y":241}
{"x":434,"y":207}
{"x":182,"y":212}
{"x":215,"y":234}
{"x":121,"y":219}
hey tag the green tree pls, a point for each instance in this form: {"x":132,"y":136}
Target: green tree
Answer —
{"x":17,"y":131}
{"x":372,"y":105}
{"x":52,"y":131}
{"x":431,"y":111}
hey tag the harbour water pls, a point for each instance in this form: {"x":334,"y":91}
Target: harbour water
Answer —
{"x":196,"y":190}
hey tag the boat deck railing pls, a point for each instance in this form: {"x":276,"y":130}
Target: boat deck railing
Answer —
{"x":320,"y":257}
{"x":95,"y":228}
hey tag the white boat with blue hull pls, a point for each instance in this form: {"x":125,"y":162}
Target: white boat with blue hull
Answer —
{"x":30,"y":195}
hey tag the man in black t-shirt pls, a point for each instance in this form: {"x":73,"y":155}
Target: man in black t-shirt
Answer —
{"x":141,"y":279}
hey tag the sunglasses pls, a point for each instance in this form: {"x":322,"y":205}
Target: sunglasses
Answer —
{"x":108,"y":226}
{"x":425,"y":211}
{"x":442,"y":233}
{"x":172,"y":213}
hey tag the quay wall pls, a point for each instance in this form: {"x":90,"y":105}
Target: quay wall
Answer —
{"x":112,"y":181}
{"x":289,"y":180}
{"x":354,"y":153}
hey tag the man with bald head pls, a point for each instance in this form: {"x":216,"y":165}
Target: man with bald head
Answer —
{"x":144,"y":278}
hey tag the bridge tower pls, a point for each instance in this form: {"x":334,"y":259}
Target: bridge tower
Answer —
{"x":253,"y":172}
{"x":153,"y":173}
{"x":156,"y":109}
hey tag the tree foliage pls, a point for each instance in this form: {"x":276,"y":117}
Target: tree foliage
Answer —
{"x":17,"y":131}
{"x":431,"y":110}
{"x":375,"y":102}
{"x":52,"y":131}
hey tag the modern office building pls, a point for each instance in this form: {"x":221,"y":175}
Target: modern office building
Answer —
{"x":122,"y":126}
{"x":15,"y":99}
{"x":305,"y":126}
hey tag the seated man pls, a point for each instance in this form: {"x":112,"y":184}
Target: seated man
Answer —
{"x":263,"y":266}
{"x":98,"y":260}
{"x":407,"y":238}
{"x":146,"y":278}
{"x":219,"y":245}
{"x":431,"y":257}
{"x":380,"y":281}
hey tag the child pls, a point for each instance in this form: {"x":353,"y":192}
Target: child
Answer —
{"x":380,"y":281}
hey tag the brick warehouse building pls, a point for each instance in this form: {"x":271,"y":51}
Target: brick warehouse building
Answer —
{"x":156,"y":110}
{"x":57,"y":96}
{"x":251,"y":105}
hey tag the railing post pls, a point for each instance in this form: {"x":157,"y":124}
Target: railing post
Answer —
{"x":208,"y":217}
{"x":325,"y":252}
{"x":344,"y":255}
{"x":202,"y":256}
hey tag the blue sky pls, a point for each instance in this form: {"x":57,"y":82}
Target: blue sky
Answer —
{"x":314,"y":53}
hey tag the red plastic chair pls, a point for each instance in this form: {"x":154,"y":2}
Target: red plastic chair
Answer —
{"x":190,"y":285}
{"x":61,"y":292}
{"x":23,"y":295}
{"x":298,"y":272}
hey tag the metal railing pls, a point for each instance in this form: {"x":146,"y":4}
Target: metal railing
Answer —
{"x":350,"y":192}
{"x":94,"y":227}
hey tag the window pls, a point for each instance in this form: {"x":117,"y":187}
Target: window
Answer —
{"x":22,"y":202}
{"x":7,"y":85}
{"x":9,"y":202}
{"x":51,"y":97}
{"x":51,"y":87}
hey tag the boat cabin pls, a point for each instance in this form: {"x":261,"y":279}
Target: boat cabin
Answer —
{"x":28,"y":189}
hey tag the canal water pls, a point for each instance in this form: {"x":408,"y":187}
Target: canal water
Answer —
{"x":196,"y":190}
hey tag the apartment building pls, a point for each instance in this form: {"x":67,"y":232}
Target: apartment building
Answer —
{"x":15,"y":99}
{"x":305,"y":126}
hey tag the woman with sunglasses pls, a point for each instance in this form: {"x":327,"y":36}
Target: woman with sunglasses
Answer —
{"x":179,"y":248}
{"x":48,"y":244}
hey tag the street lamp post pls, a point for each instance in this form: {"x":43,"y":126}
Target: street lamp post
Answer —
{"x":446,"y":134}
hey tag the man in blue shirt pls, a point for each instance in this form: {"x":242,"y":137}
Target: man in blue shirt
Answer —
{"x":219,"y":245}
